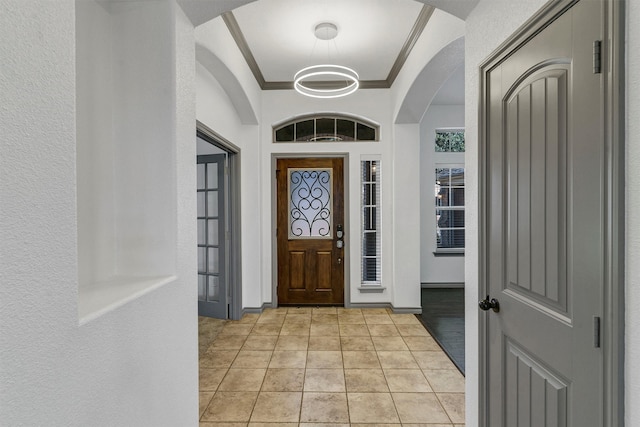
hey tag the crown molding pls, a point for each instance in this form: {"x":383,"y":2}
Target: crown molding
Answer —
{"x":414,"y":35}
{"x":236,"y":33}
{"x":416,"y":31}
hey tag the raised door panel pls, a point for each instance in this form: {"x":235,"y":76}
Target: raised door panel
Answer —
{"x":297,"y":262}
{"x":535,"y":396}
{"x":323,"y":271}
{"x":536,"y":226}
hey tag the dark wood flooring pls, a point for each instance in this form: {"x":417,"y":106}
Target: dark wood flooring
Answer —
{"x":443,"y":316}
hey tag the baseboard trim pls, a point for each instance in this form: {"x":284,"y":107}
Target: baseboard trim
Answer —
{"x":365,"y":305}
{"x":369,"y":305}
{"x":407,"y":310}
{"x":395,"y":310}
{"x":257,"y":310}
{"x":441,"y":285}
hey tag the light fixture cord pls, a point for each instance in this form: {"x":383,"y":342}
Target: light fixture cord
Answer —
{"x":335,"y":46}
{"x":310,"y":59}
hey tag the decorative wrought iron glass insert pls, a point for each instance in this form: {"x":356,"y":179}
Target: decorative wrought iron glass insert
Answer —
{"x":310,"y":203}
{"x":450,"y":140}
{"x":370,"y":200}
{"x":325,"y":128}
{"x":449,"y":194}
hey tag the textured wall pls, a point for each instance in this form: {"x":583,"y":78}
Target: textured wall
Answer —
{"x":632,"y":297}
{"x":37,"y":203}
{"x":135,"y":365}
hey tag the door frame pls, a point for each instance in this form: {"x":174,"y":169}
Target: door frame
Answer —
{"x":234,"y":273}
{"x":613,"y":304}
{"x":274,"y":220}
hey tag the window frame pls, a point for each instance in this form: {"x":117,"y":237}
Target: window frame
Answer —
{"x":357,"y":123}
{"x":448,"y":130}
{"x":451,"y":251}
{"x":377,"y":194}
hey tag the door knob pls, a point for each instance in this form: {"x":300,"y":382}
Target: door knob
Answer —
{"x":487,"y":304}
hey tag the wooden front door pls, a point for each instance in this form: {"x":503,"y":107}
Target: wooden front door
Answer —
{"x":310,"y":209}
{"x":545,"y":226}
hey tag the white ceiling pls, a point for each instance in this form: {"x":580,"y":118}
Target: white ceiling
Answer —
{"x":279,"y":36}
{"x":371,"y":33}
{"x":201,"y":11}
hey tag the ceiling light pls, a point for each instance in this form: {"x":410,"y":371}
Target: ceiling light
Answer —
{"x":326,"y":31}
{"x":331,"y":81}
{"x":327,"y":80}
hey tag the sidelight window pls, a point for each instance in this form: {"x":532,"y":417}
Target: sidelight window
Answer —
{"x":370,"y":201}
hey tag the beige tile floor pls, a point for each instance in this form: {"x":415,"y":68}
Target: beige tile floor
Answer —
{"x":328,"y":367}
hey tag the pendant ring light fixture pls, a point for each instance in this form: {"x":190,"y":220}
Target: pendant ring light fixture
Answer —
{"x":331,"y":81}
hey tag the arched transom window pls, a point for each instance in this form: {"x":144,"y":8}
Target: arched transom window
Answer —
{"x":325,"y":128}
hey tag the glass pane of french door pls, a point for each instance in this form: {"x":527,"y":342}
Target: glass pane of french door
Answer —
{"x":212,"y":293}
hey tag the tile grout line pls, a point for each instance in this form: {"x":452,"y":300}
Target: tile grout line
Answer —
{"x":339,"y":337}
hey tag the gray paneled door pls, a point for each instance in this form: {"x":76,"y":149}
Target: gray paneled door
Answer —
{"x":545,"y":226}
{"x":212,"y":242}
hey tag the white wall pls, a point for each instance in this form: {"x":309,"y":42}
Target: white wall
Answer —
{"x":406,"y":216}
{"x":214,"y":108}
{"x":125,"y":157}
{"x":441,"y":269}
{"x":95,"y":148}
{"x":632,"y":288}
{"x":215,"y":37}
{"x":135,"y":364}
{"x":402,"y":285}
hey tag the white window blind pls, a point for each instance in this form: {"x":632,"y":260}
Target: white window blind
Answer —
{"x":370,"y":202}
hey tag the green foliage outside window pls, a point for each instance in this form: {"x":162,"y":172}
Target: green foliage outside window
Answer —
{"x":450,"y":141}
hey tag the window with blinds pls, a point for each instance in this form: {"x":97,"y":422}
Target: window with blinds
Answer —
{"x":370,"y":201}
{"x":449,"y":195}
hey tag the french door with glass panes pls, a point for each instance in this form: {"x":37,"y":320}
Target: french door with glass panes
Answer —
{"x":310,"y":231}
{"x":212,"y":242}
